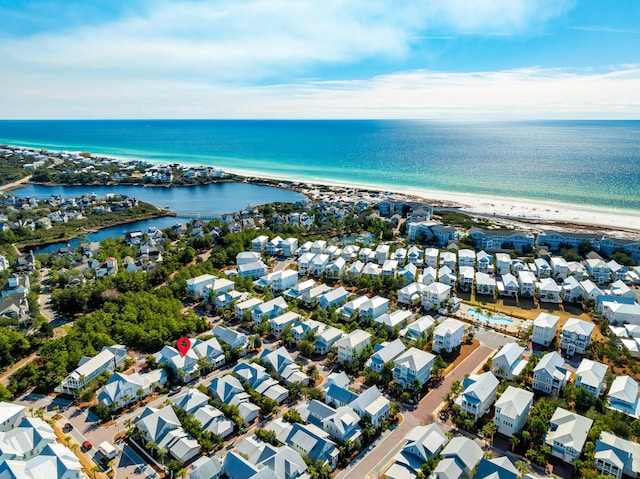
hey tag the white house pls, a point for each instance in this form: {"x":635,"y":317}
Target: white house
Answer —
{"x":512,"y":410}
{"x":509,"y":362}
{"x":278,"y":280}
{"x":560,"y":267}
{"x":478,"y":395}
{"x":485,"y":284}
{"x":508,"y":285}
{"x":503,"y":263}
{"x":576,"y":336}
{"x":399,"y":318}
{"x":543,"y":270}
{"x":448,"y":335}
{"x":418,"y":328}
{"x":466,"y":278}
{"x":10,"y":415}
{"x":435,"y":295}
{"x":384,"y":353}
{"x":382,"y":253}
{"x":319,"y":263}
{"x":431,"y":256}
{"x":305,"y":263}
{"x":590,"y":376}
{"x":550,"y":374}
{"x":89,"y":368}
{"x":269,"y":309}
{"x":545,"y":327}
{"x":289,"y":247}
{"x":623,"y":396}
{"x":527,"y":282}
{"x":374,"y":307}
{"x":195,"y":286}
{"x":411,"y":365}
{"x":327,"y":338}
{"x":466,"y":257}
{"x":567,"y":434}
{"x":259,"y":243}
{"x":549,"y":291}
{"x":352,"y":345}
{"x":411,"y":294}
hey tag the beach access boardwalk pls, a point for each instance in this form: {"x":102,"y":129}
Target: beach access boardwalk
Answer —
{"x":373,"y":464}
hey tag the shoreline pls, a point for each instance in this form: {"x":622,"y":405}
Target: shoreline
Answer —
{"x":525,"y":213}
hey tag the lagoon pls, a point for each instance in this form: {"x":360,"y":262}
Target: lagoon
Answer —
{"x":213,"y":198}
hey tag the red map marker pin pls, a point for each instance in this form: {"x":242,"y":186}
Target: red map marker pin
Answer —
{"x":183,"y":345}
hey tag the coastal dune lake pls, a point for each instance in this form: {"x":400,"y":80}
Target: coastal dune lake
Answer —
{"x":577,"y":162}
{"x":214,"y":198}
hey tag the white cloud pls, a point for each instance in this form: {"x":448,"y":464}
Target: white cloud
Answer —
{"x":532,"y":93}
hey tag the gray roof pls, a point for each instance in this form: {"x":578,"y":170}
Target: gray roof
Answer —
{"x":514,"y":402}
{"x":466,"y":452}
{"x":568,"y":428}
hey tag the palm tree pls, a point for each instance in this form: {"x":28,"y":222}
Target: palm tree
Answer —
{"x":140,"y":393}
{"x":95,"y":470}
{"x":152,"y":446}
{"x":162,"y":453}
{"x":67,"y":439}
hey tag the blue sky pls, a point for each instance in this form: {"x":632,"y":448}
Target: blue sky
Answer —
{"x":432,"y":59}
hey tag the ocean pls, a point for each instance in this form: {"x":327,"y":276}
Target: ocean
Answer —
{"x":578,"y":162}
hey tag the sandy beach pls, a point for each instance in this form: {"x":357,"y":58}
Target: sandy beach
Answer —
{"x":523,"y":212}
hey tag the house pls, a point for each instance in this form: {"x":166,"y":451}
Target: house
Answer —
{"x":195,"y":286}
{"x":268,"y":310}
{"x":247,"y":257}
{"x":335,"y":269}
{"x":448,"y":335}
{"x":478,"y":395}
{"x":527,"y":281}
{"x":288,"y":247}
{"x":252,"y":270}
{"x":484,"y":262}
{"x":308,"y":440}
{"x":225,"y":388}
{"x":559,"y":267}
{"x":621,"y":311}
{"x":350,"y":252}
{"x":567,"y":434}
{"x":299,"y":289}
{"x":554,"y":240}
{"x":398,"y":319}
{"x":326,"y":339}
{"x":390,"y":268}
{"x":508,"y":285}
{"x":590,"y":376}
{"x":269,"y":461}
{"x":15,"y":308}
{"x":121,"y":390}
{"x":591,"y":291}
{"x":485,"y":284}
{"x":617,"y":457}
{"x":467,"y":276}
{"x":411,"y":294}
{"x":318,"y":246}
{"x":333,"y":298}
{"x":108,"y":268}
{"x":279,"y":323}
{"x":89,"y":368}
{"x":623,"y":396}
{"x":352,"y":307}
{"x":372,"y":403}
{"x":312,"y":296}
{"x":430,"y":275}
{"x":306,"y":328}
{"x":54,"y":460}
{"x":352,"y":345}
{"x":259,"y":244}
{"x":542,"y":268}
{"x":418,"y":329}
{"x":435,"y":295}
{"x":550,"y":374}
{"x":10,"y":415}
{"x":545,"y":327}
{"x":230,"y":298}
{"x":399,"y":256}
{"x":319,"y":263}
{"x":17,"y":285}
{"x":374,"y":307}
{"x":598,"y":270}
{"x":356,"y":268}
{"x":382,"y":253}
{"x":372,"y":270}
{"x":447,"y":276}
{"x":466,"y":257}
{"x":576,"y":336}
{"x":508,"y":363}
{"x":512,"y":410}
{"x":163,"y":427}
{"x":191,"y":400}
{"x":458,"y":460}
{"x":273,"y":246}
{"x":206,"y":467}
{"x":385,"y":353}
{"x":501,"y":239}
{"x":572,"y":291}
{"x":549,"y":291}
{"x":431,"y":256}
{"x":423,"y":443}
{"x":305,"y":263}
{"x":341,"y":424}
{"x":278,"y":280}
{"x":232,"y":338}
{"x":497,"y":468}
{"x":503,"y":263}
{"x":281,"y":362}
{"x":414,"y":364}
{"x":215,"y":288}
{"x":186,"y":367}
{"x":415,"y":256}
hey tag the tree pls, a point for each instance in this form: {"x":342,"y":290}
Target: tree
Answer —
{"x":293,"y":416}
{"x":162,"y":453}
{"x":266,"y":436}
{"x":286,"y":336}
{"x":489,"y":430}
{"x":306,"y":348}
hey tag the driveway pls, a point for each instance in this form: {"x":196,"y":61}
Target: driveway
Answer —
{"x":491,"y":338}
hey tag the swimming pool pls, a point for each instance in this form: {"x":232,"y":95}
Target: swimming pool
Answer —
{"x":489,"y":319}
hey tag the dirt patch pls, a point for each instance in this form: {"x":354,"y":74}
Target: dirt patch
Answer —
{"x":465,"y":351}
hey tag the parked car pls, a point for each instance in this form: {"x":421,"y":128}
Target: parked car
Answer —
{"x":174,"y":390}
{"x":86,"y":445}
{"x":67,"y":427}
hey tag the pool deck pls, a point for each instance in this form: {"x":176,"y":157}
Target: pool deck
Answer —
{"x":513,"y":328}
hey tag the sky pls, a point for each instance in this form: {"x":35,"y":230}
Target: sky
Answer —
{"x":414,"y":59}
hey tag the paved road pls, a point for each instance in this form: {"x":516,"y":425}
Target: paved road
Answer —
{"x":44,"y":298}
{"x":375,"y":462}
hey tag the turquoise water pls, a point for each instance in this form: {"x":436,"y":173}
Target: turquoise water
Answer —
{"x":489,"y":319}
{"x":581,"y":162}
